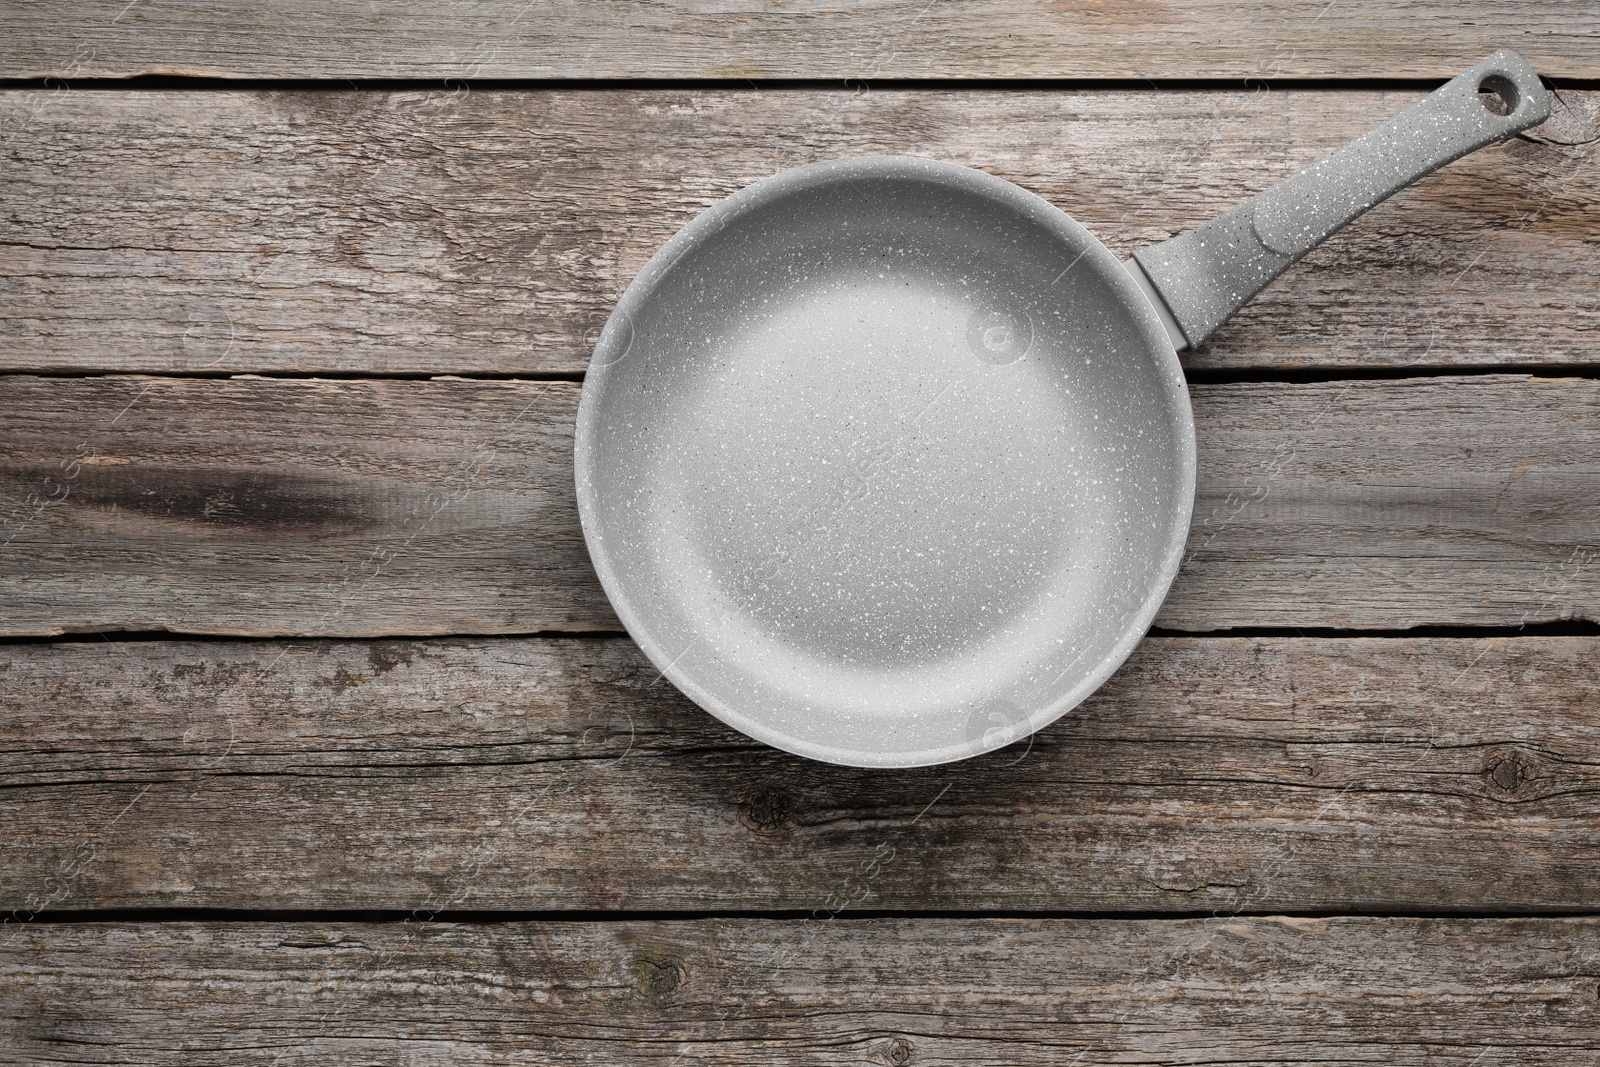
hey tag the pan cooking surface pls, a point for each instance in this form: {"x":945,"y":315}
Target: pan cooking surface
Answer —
{"x":885,"y":462}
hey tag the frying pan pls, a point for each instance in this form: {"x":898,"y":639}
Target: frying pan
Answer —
{"x":888,"y":462}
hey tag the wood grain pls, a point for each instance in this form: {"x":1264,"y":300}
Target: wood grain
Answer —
{"x":1210,"y":775}
{"x":369,"y":508}
{"x":896,"y":992}
{"x":463,"y":231}
{"x":790,"y":39}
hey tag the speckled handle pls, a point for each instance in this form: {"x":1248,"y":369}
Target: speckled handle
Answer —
{"x":1207,"y":274}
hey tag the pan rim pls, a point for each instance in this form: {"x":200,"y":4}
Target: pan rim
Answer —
{"x":641,"y":290}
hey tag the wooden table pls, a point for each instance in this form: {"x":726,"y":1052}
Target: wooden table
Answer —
{"x":320,"y":743}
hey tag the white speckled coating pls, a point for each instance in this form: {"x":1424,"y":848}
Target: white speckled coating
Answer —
{"x":885,"y":462}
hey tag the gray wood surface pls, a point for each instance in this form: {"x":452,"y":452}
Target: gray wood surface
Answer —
{"x":1210,"y":775}
{"x":1485,"y":993}
{"x":460,"y":230}
{"x":474,"y":227}
{"x":368,"y":508}
{"x":788,"y":39}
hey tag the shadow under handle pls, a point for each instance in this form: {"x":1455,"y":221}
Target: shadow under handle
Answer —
{"x":1205,"y":275}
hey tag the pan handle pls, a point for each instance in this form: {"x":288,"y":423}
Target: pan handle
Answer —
{"x":1207,"y":274}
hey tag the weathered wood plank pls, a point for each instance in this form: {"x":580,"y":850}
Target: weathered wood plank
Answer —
{"x":370,"y":508}
{"x":894,"y":39}
{"x":491,"y":231}
{"x":729,"y":991}
{"x":1210,"y":775}
{"x":299,"y":506}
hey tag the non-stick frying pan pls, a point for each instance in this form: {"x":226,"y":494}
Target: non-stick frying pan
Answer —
{"x":889,"y":462}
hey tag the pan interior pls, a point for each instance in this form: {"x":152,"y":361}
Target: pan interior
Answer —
{"x":892,"y":465}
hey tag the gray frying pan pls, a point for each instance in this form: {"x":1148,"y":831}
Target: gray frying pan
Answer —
{"x":888,"y":462}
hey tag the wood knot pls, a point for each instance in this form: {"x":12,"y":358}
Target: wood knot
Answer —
{"x":897,"y":1052}
{"x":766,"y":811}
{"x":1509,"y":772}
{"x":660,"y":977}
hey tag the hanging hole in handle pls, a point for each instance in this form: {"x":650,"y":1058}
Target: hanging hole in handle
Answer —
{"x":1498,"y":94}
